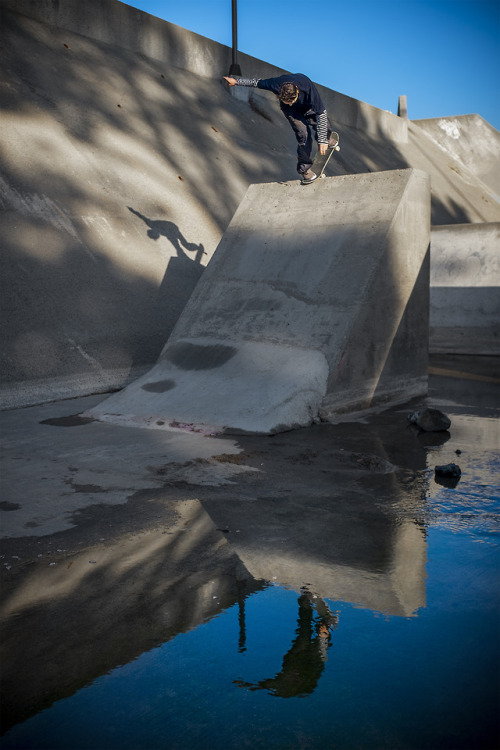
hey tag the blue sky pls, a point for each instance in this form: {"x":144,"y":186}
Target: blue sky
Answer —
{"x":443,"y":54}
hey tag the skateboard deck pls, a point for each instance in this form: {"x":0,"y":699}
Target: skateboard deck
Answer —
{"x":320,"y":162}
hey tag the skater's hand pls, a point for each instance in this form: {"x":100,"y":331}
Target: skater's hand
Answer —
{"x":322,"y":148}
{"x":231,"y":81}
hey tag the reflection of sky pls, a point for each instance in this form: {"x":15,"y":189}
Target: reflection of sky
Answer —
{"x":473,"y":505}
{"x":392,"y":682}
{"x":421,"y":683}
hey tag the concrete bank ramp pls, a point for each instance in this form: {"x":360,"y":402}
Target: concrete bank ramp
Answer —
{"x":315,"y":303}
{"x":471,"y":142}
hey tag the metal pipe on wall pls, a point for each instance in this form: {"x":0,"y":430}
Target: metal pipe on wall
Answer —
{"x":235,"y":69}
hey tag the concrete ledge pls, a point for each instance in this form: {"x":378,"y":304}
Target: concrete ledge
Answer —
{"x":465,"y":289}
{"x":314,"y":304}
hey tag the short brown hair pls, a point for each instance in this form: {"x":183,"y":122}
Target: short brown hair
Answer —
{"x":288,"y":92}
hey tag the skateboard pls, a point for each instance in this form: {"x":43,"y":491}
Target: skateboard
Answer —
{"x":320,"y":162}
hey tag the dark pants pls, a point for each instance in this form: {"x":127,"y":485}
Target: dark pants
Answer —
{"x":304,"y":128}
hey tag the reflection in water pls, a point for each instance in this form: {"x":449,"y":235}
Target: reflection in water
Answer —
{"x":354,"y":537}
{"x":358,"y":543}
{"x":167,"y":639}
{"x":303,"y":664}
{"x":98,"y":609}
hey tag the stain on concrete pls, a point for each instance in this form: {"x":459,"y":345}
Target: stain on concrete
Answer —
{"x":160,"y":386}
{"x":189,"y":356}
{"x":74,"y":420}
{"x":5,"y":505}
{"x":92,"y":488}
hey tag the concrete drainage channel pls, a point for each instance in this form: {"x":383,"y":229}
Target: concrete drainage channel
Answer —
{"x":180,"y":585}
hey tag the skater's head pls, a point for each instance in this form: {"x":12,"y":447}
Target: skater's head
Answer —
{"x":288,"y":93}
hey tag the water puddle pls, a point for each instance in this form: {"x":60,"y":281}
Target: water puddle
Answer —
{"x":364,"y":618}
{"x":283,"y":669}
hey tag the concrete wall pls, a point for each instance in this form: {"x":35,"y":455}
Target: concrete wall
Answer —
{"x":465,"y":289}
{"x":108,"y":216}
{"x":470,"y":140}
{"x":120,"y":25}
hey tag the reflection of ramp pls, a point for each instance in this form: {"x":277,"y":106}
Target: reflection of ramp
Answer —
{"x":353,"y":539}
{"x":315,"y":302}
{"x":141,"y":591}
{"x":378,"y":565}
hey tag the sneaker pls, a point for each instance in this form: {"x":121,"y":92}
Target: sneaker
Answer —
{"x":308,"y":177}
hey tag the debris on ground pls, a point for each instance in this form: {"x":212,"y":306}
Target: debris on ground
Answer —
{"x":448,"y":470}
{"x":430,"y":420}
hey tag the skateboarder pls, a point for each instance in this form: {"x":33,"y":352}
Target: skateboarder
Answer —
{"x":303,"y":107}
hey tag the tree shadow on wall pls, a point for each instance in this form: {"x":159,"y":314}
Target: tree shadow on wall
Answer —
{"x":181,"y":275}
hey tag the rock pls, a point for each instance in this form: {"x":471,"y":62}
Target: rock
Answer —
{"x":430,"y":439}
{"x":430,"y":420}
{"x":448,"y":470}
{"x":447,"y":475}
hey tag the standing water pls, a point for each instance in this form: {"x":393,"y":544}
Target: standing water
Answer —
{"x":384,"y":636}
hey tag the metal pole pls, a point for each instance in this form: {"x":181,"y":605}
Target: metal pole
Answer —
{"x":235,"y":69}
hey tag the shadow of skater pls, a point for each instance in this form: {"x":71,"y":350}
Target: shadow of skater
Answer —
{"x":181,"y":276}
{"x":303,"y":664}
{"x":161,"y":228}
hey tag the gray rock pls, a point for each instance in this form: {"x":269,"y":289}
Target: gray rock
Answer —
{"x":448,"y":470}
{"x":430,"y":420}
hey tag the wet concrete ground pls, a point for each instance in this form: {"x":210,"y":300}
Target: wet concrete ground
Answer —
{"x":115,"y":540}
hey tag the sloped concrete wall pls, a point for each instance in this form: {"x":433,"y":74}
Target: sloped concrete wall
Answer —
{"x":129,"y":29}
{"x":314,"y":304}
{"x":465,"y":289}
{"x":108,"y":214}
{"x":471,"y":141}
